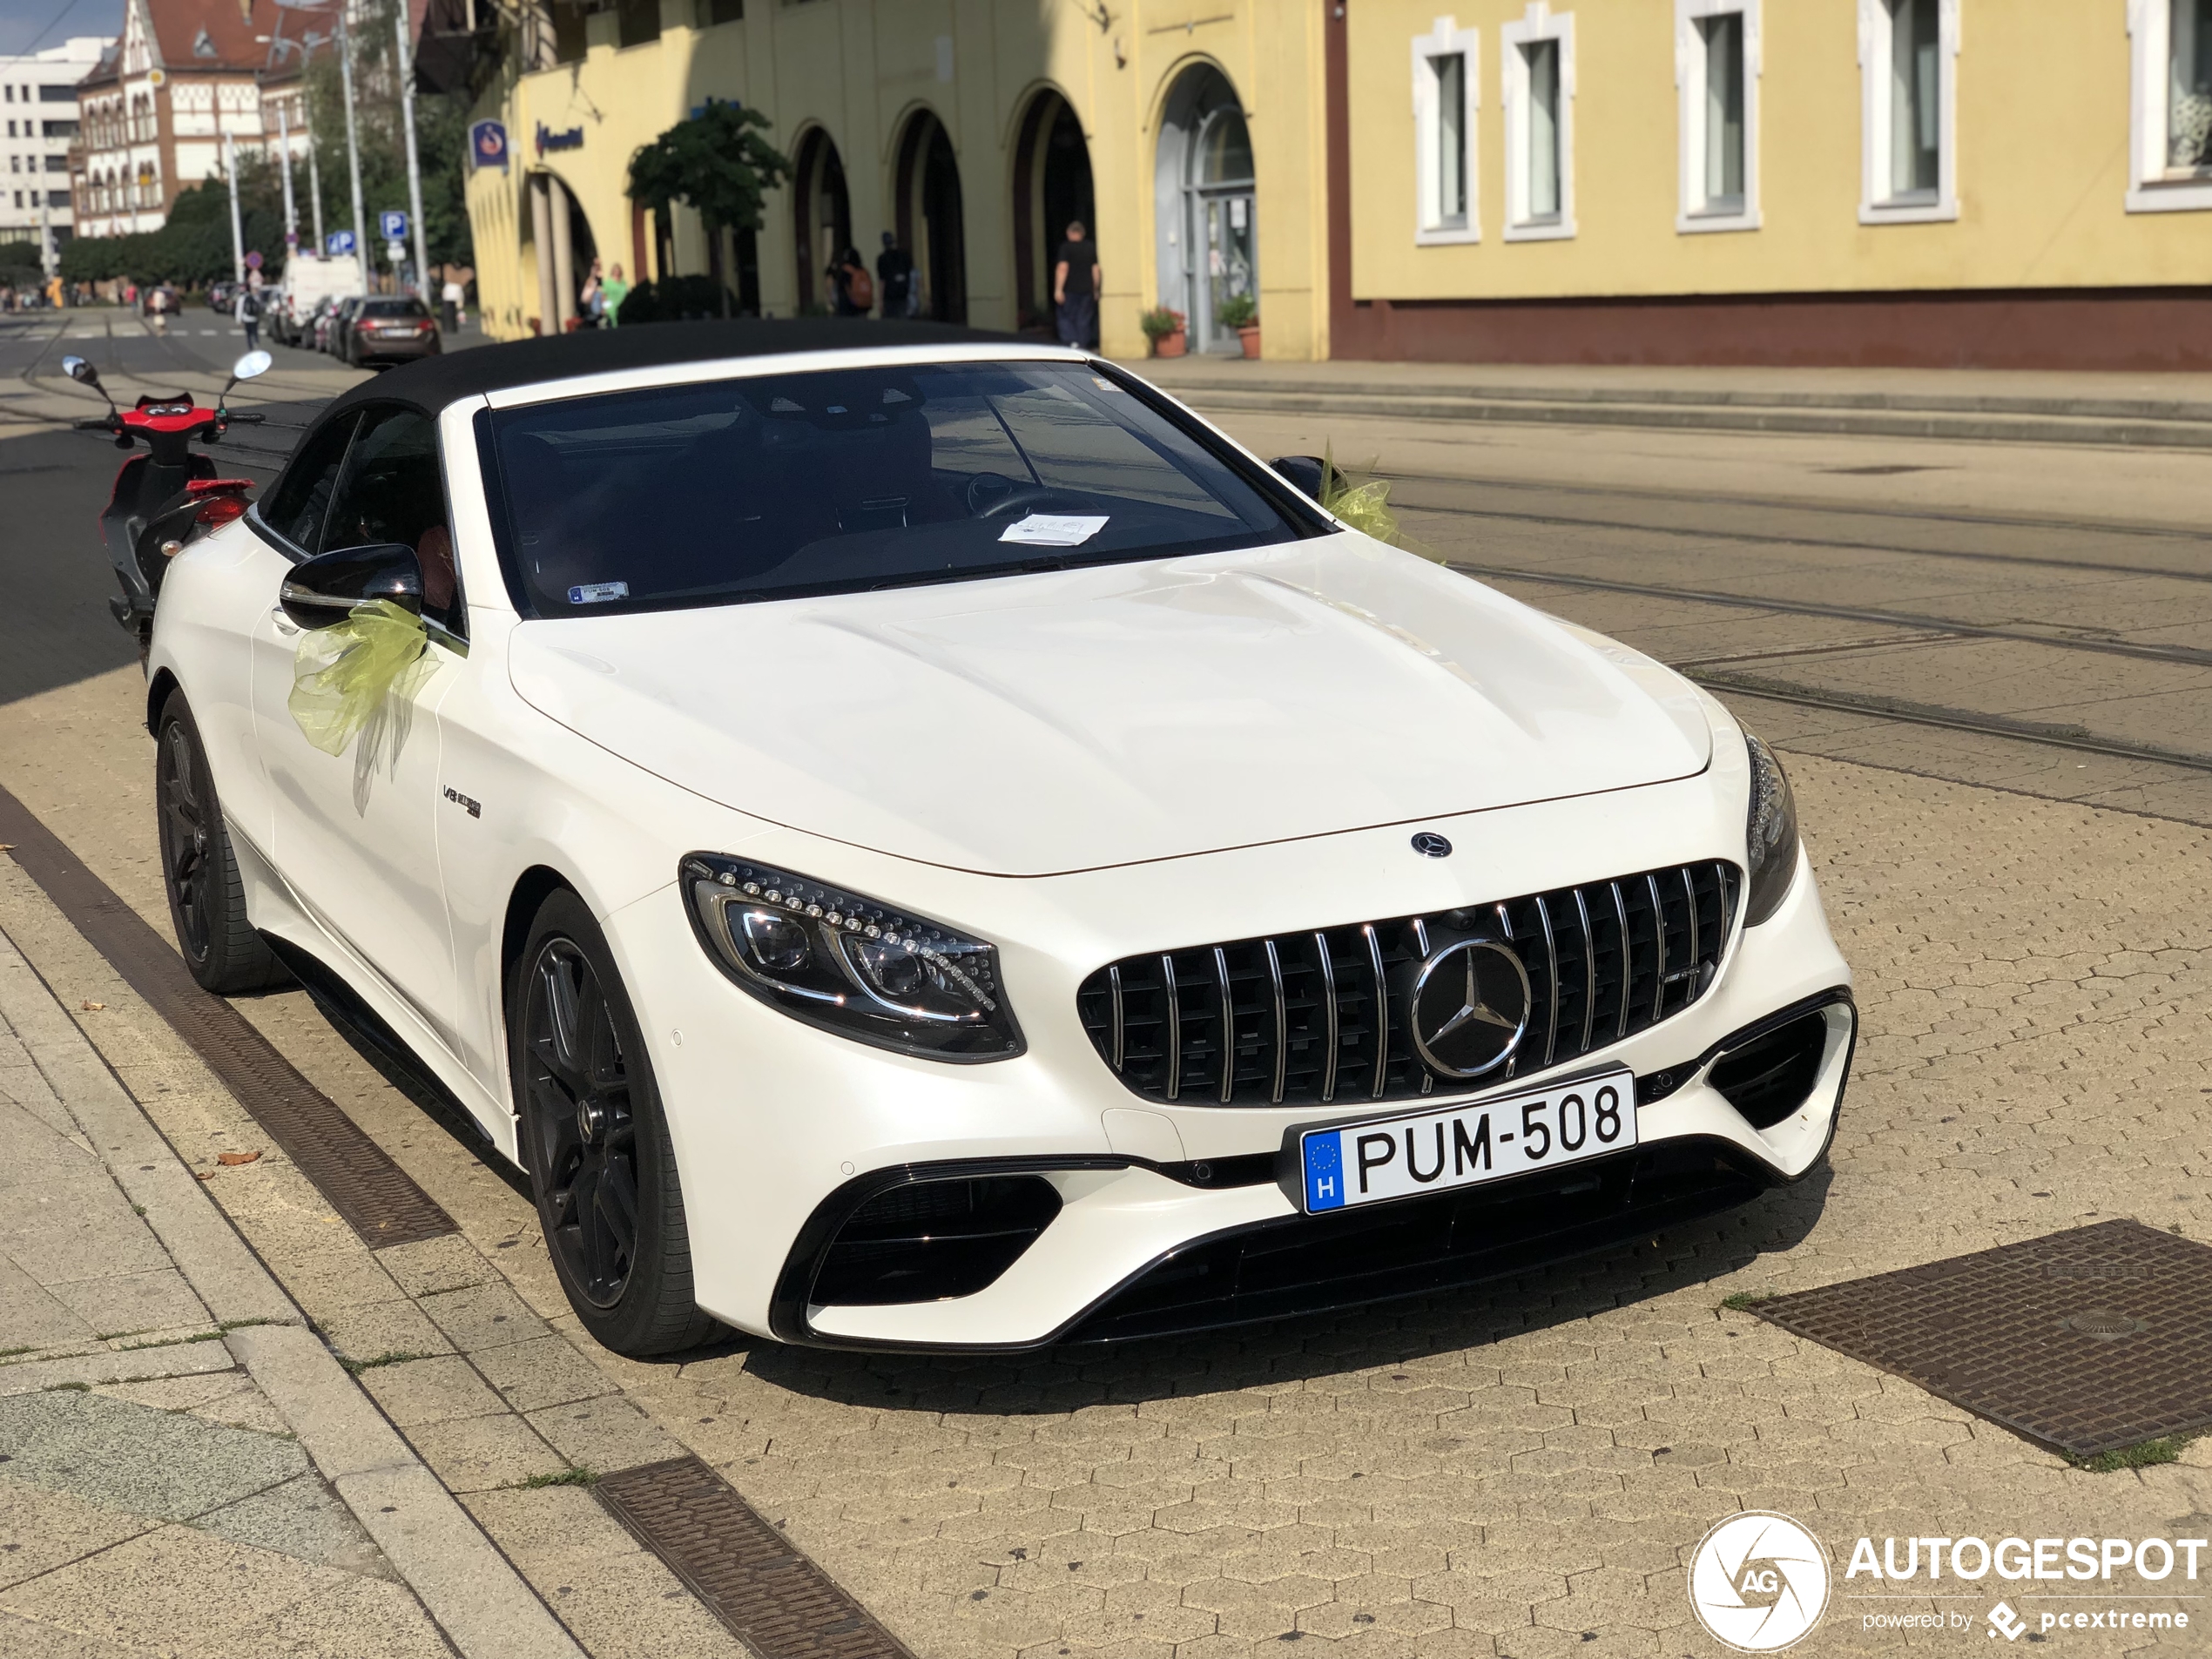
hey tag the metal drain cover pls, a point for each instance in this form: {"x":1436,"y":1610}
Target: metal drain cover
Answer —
{"x":2084,"y":1341}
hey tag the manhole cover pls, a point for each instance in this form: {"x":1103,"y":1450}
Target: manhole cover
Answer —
{"x":2085,"y":1341}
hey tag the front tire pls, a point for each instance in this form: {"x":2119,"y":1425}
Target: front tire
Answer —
{"x":595,"y":1142}
{"x":199,"y":870}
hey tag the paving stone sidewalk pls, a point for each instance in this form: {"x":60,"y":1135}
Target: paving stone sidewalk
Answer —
{"x":184,"y":1469}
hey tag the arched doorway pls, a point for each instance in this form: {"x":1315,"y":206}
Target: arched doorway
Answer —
{"x":562,"y":246}
{"x":930,"y":223}
{"x":824,"y":217}
{"x":1051,"y":187}
{"x":1206,"y":205}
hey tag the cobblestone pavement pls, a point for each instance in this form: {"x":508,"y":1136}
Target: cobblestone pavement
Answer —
{"x":1518,"y":1472}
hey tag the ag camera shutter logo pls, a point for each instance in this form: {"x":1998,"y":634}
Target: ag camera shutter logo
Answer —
{"x":1759,"y":1582}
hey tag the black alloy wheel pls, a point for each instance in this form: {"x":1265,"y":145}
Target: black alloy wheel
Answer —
{"x":594,"y":1142}
{"x":198,"y":868}
{"x":586,"y":1135}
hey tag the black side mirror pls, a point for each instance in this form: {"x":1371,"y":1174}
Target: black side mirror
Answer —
{"x":1309,"y":473}
{"x":325,"y":588}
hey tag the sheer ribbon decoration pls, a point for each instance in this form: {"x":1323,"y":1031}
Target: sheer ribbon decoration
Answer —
{"x":358,"y":678}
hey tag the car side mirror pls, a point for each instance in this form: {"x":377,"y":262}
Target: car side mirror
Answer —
{"x":1309,"y":473}
{"x":325,"y":588}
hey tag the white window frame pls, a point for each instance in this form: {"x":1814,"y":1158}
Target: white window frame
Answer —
{"x":1874,"y":205}
{"x":1689,"y":80}
{"x":1446,"y":38}
{"x":2152,"y":187}
{"x":1537,"y":23}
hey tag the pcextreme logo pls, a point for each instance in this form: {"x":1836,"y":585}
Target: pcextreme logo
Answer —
{"x":1759,"y":1582}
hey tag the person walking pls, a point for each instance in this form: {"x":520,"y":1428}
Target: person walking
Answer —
{"x":450,"y":301}
{"x":248,"y":313}
{"x":852,"y":289}
{"x":613,"y":291}
{"x":1075,"y":288}
{"x":894,"y":278}
{"x":592,"y":301}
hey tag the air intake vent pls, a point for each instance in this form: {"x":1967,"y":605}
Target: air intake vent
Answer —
{"x":1312,"y":1018}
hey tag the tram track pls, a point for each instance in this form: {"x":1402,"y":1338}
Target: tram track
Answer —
{"x":1839,"y":544}
{"x":2190,"y":656}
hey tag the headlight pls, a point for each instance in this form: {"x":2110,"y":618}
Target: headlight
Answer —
{"x":1771,"y":855}
{"x":848,"y":964}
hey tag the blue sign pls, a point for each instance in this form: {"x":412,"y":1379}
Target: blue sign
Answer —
{"x":392,"y":226}
{"x":339,"y":243}
{"x":488,"y":146}
{"x":549,"y":139}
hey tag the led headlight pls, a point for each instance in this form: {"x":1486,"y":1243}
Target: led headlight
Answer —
{"x":848,"y":964}
{"x":1771,"y":855}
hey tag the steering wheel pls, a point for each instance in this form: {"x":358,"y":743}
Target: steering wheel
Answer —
{"x":1023,"y":496}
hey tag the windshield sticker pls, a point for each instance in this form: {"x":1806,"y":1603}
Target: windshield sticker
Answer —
{"x":1049,"y":529}
{"x":597,"y":593}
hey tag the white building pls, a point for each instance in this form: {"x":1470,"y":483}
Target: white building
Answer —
{"x":38,"y":118}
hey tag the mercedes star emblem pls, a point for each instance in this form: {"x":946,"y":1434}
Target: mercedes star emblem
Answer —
{"x":1470,"y":1008}
{"x":1430,"y":845}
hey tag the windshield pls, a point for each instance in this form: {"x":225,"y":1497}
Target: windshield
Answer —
{"x":767,"y":488}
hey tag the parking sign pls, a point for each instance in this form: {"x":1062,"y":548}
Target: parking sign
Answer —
{"x":339,"y":242}
{"x":394,"y":224}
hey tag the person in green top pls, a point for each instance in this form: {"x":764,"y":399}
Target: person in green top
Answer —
{"x":616,"y":290}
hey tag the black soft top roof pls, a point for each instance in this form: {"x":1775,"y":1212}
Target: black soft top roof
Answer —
{"x":431,"y":383}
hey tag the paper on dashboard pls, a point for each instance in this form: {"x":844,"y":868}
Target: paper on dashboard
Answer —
{"x":1050,"y":530}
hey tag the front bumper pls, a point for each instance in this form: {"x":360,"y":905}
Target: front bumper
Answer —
{"x":1170,"y":1217}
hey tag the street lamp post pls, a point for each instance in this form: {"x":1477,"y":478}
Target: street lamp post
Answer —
{"x":238,"y":234}
{"x":291,"y":207}
{"x":414,"y":166}
{"x":352,"y":142}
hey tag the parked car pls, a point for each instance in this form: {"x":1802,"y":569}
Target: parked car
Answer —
{"x":330,"y":334}
{"x":914,"y":839}
{"x":222,"y":298}
{"x":390,"y":330}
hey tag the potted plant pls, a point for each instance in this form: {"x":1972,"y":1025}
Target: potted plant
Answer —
{"x":1164,"y":329}
{"x":1241,"y":311}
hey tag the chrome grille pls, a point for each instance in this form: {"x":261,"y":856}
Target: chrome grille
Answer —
{"x":1316,"y":1018}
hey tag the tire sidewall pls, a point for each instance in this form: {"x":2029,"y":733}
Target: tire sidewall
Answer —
{"x":627,"y":1325}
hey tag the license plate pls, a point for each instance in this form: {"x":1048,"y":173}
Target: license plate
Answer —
{"x":1464,"y":1146}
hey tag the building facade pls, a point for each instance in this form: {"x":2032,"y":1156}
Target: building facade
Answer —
{"x":1999,"y":182}
{"x":182,"y":77}
{"x":38,"y":107}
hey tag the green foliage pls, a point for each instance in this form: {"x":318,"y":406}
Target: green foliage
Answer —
{"x":717,"y":163}
{"x":2142,"y":1455}
{"x":1744,"y":1301}
{"x":19,"y":266}
{"x":441,"y":138}
{"x":1159,"y":323}
{"x":193,"y":248}
{"x":1238,"y":311}
{"x":674,"y":300}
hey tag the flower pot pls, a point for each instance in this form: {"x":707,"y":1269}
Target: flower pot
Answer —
{"x":1172,"y":345}
{"x":1250,"y":335}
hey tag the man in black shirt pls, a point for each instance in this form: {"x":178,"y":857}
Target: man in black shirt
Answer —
{"x":894,"y":279}
{"x":1074,"y":289}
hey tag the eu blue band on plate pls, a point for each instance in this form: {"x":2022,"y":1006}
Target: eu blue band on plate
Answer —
{"x":1325,"y":1171}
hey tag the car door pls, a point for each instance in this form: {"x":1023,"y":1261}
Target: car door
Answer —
{"x":355,"y":833}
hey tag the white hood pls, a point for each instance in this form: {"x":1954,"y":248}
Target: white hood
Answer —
{"x":1068,"y":720}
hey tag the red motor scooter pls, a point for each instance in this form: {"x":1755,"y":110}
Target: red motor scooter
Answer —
{"x":163,"y":497}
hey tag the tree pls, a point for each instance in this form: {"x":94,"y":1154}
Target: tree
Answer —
{"x":718,"y":164}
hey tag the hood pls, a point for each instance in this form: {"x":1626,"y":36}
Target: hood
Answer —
{"x":1068,"y":720}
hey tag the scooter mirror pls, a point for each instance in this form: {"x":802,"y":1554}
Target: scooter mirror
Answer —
{"x":255,"y":362}
{"x":82,"y":371}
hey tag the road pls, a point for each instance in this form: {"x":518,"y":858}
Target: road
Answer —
{"x":1986,"y":670}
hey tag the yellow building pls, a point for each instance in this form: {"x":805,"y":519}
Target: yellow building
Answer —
{"x":2002,"y":182}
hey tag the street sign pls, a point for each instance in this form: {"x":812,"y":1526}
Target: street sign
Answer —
{"x":339,"y":242}
{"x":393,"y":223}
{"x":253,"y":261}
{"x":488,"y":146}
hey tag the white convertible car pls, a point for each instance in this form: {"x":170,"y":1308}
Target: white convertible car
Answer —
{"x":913,"y":839}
